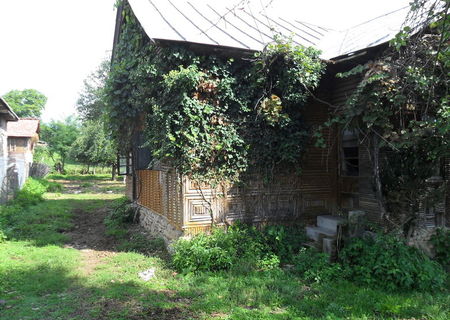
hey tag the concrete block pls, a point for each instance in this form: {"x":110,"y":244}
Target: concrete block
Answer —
{"x":330,"y":222}
{"x":316,"y":233}
{"x":329,"y":246}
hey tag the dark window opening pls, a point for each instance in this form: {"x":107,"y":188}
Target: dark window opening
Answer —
{"x":350,"y":154}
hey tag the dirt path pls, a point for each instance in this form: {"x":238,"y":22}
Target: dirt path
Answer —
{"x":89,"y":237}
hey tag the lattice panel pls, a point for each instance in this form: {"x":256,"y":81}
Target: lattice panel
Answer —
{"x":150,"y":190}
{"x":173,"y":199}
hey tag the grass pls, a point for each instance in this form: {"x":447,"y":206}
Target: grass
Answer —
{"x":78,"y":177}
{"x":42,"y":279}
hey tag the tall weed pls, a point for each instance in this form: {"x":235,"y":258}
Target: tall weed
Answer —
{"x":241,"y":248}
{"x":386,"y":261}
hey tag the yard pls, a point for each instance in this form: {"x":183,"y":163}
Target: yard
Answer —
{"x":61,"y":263}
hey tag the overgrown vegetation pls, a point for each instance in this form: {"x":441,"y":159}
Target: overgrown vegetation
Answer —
{"x":26,"y":217}
{"x":400,"y":112}
{"x":382,"y":262}
{"x":119,"y":225}
{"x":208,"y":116}
{"x":387,"y":262}
{"x":121,"y":213}
{"x":441,"y":246}
{"x":240,"y":248}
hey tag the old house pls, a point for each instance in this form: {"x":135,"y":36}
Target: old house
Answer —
{"x":333,"y":180}
{"x":22,"y":138}
{"x":6,"y":116}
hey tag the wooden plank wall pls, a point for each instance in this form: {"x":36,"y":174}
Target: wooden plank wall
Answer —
{"x":360,"y":188}
{"x":288,"y":198}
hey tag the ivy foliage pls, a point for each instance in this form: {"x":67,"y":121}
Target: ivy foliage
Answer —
{"x":401,"y":108}
{"x":209,"y":116}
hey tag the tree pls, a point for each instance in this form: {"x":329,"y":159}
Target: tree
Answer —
{"x":91,"y":103}
{"x":26,"y":103}
{"x":60,"y":135}
{"x":94,"y":147}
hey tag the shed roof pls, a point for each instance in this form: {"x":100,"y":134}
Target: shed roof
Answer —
{"x":25,"y":128}
{"x":225,"y":24}
{"x":6,"y":110}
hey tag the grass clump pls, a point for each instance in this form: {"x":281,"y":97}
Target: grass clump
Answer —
{"x":121,"y":213}
{"x":119,"y":225}
{"x":387,"y":262}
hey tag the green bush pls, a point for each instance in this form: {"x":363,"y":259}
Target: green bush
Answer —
{"x":441,"y":243}
{"x":240,"y":248}
{"x":386,"y":261}
{"x":314,"y":266}
{"x":31,"y":193}
{"x":285,"y":241}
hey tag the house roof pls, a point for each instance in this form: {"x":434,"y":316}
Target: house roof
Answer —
{"x":25,"y":128}
{"x":222,"y":24}
{"x":6,"y":110}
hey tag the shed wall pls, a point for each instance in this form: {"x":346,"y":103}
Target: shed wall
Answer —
{"x":290,"y":197}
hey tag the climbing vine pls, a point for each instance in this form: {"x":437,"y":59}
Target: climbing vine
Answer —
{"x":209,"y":116}
{"x":401,"y":111}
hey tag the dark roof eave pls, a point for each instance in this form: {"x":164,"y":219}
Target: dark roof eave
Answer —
{"x":11,"y":114}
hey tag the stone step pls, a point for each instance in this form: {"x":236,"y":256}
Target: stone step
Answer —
{"x":330,"y":222}
{"x":314,"y":244}
{"x":329,"y":246}
{"x":316,"y":233}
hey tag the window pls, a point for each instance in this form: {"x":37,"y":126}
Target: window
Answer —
{"x":124,"y":164}
{"x":350,"y":154}
{"x":142,"y":152}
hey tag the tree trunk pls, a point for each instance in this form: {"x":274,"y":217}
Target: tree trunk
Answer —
{"x":113,"y":172}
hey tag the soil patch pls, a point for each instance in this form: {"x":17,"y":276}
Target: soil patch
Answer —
{"x":89,"y":231}
{"x":88,"y":235}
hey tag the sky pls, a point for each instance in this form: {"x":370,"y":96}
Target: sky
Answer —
{"x":53,"y":45}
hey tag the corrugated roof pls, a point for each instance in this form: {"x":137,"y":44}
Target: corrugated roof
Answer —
{"x":237,"y":25}
{"x":6,"y":109}
{"x":27,"y":127}
{"x":365,"y":35}
{"x":219,"y":24}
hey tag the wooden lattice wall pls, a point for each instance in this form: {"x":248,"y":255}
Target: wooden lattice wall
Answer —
{"x":160,"y":191}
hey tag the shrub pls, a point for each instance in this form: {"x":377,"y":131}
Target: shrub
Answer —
{"x":241,"y":248}
{"x":284,"y":241}
{"x":441,"y":243}
{"x":385,"y":261}
{"x":31,"y":193}
{"x":314,"y":266}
